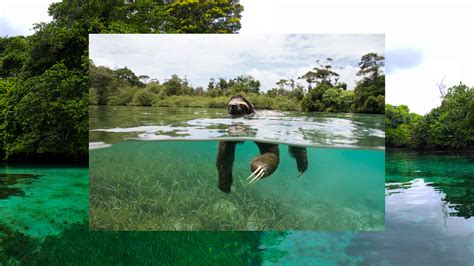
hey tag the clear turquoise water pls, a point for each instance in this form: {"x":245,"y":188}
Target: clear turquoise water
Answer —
{"x":429,"y":221}
{"x":342,"y":189}
{"x":49,"y":203}
{"x":169,"y":155}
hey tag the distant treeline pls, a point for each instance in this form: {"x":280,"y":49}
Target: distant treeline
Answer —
{"x":44,"y":77}
{"x":447,"y":127}
{"x":324,"y":93}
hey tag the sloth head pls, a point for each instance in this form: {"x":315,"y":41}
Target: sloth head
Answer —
{"x":239,"y":106}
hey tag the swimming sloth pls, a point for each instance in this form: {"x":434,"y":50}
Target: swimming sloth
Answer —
{"x":262,"y":165}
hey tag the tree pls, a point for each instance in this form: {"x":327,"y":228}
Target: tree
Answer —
{"x":176,"y":86}
{"x":56,"y":55}
{"x":370,"y":66}
{"x":297,"y":92}
{"x":42,"y":116}
{"x":117,"y":16}
{"x":143,"y":98}
{"x":13,"y":55}
{"x":370,"y":91}
{"x":244,"y":83}
{"x":321,"y":74}
{"x":397,"y":119}
{"x":129,"y":76}
{"x":313,"y":100}
{"x":457,"y":117}
{"x":448,"y":126}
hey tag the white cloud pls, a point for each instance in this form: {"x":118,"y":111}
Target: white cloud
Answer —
{"x":441,"y":30}
{"x":267,"y":78}
{"x":18,"y":16}
{"x":348,"y":74}
{"x":200,"y":57}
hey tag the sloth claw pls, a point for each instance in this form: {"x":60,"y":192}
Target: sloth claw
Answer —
{"x":259,"y":173}
{"x":254,"y":172}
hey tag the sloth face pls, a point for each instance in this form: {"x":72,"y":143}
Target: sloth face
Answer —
{"x":239,"y":106}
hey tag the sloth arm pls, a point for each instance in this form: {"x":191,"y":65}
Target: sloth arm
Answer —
{"x":269,"y":158}
{"x":301,"y":157}
{"x":224,"y":163}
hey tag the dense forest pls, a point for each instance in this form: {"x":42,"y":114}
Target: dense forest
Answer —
{"x":447,"y":127}
{"x":44,"y":77}
{"x":323,"y":94}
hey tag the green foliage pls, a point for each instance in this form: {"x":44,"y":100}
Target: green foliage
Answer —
{"x":449,"y":126}
{"x":313,"y":100}
{"x":44,"y":76}
{"x":112,"y":87}
{"x":13,"y":55}
{"x":321,"y":74}
{"x":116,"y":16}
{"x":217,"y":16}
{"x":40,"y":113}
{"x":176,"y":86}
{"x":457,"y":117}
{"x":142,"y":98}
{"x":329,"y":95}
{"x":370,"y":91}
{"x":370,"y":65}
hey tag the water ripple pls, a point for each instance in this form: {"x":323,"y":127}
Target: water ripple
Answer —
{"x":322,"y":130}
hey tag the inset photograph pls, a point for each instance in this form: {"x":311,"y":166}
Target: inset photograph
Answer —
{"x":237,"y":132}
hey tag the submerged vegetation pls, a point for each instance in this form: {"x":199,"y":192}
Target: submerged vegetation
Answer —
{"x":324,"y":93}
{"x":44,"y":77}
{"x":142,"y":186}
{"x":80,"y":246}
{"x":447,"y":127}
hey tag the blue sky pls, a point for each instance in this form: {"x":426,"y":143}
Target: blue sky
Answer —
{"x":426,"y":40}
{"x":200,"y":57}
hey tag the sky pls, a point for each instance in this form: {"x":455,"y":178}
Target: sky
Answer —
{"x":426,"y":41}
{"x":267,"y":58}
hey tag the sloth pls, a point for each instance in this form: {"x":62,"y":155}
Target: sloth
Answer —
{"x":262,"y":165}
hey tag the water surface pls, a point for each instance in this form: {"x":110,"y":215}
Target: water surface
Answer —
{"x":114,"y":124}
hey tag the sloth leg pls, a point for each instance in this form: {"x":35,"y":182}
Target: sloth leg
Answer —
{"x":224,"y":163}
{"x":266,"y":163}
{"x":301,"y":157}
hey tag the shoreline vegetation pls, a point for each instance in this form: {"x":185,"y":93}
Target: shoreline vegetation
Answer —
{"x":449,"y":127}
{"x":44,"y":76}
{"x":324,"y":92}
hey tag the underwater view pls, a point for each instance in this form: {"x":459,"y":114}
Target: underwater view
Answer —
{"x":162,"y":175}
{"x":172,"y":185}
{"x":429,"y":220}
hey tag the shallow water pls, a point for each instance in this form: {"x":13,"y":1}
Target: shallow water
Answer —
{"x":110,"y":125}
{"x":172,"y":185}
{"x":429,"y":221}
{"x":168,"y":180}
{"x":44,"y":200}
